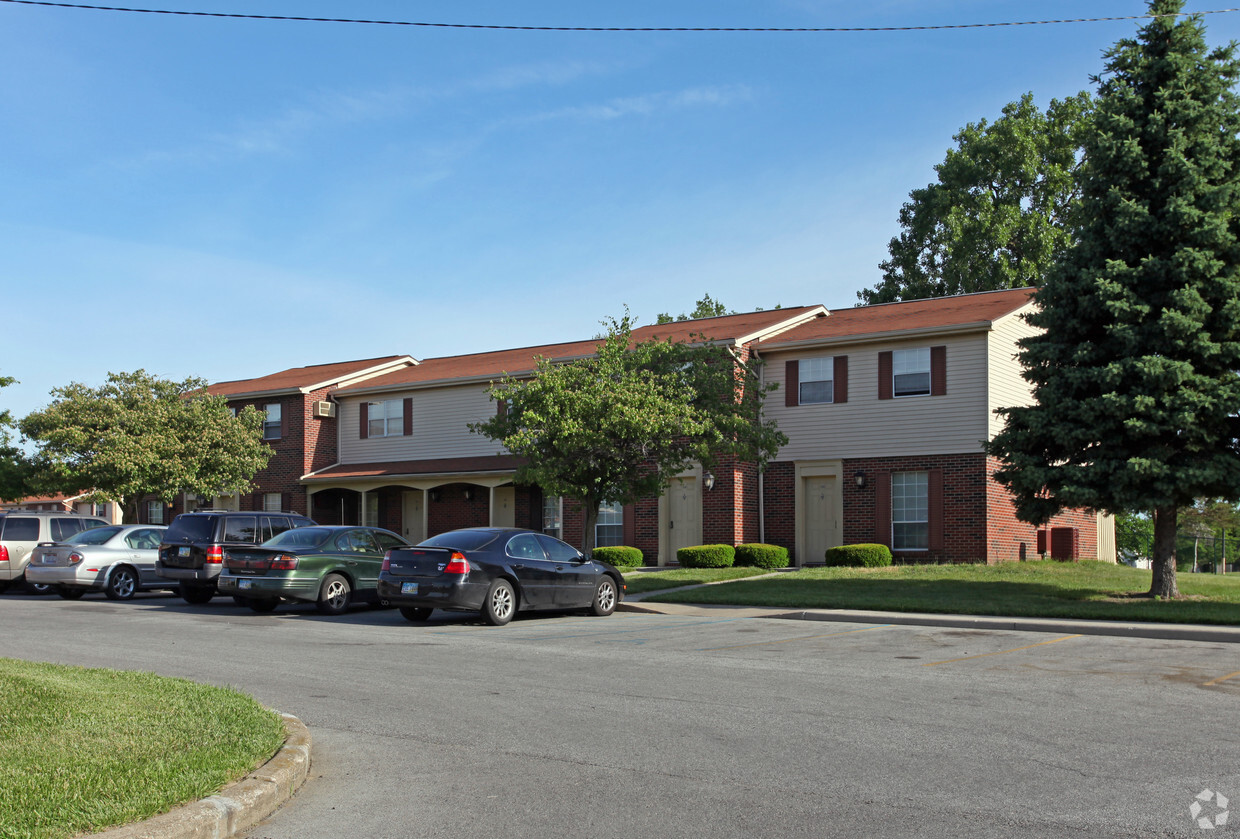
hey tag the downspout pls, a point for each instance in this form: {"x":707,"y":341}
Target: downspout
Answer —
{"x":762,"y":468}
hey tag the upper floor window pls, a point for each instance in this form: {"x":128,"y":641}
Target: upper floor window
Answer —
{"x":273,"y":422}
{"x":817,"y":377}
{"x":910,"y":372}
{"x":386,"y":418}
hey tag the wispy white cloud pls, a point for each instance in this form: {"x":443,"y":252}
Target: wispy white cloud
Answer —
{"x":650,"y":103}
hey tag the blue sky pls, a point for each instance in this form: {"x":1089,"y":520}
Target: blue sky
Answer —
{"x":228,"y":198}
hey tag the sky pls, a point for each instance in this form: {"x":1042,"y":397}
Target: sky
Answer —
{"x":223,"y":198}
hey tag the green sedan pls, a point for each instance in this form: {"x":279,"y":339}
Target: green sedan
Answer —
{"x":329,"y":566}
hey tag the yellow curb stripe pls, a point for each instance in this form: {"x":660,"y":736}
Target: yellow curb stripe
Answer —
{"x":792,"y":640}
{"x":1003,"y":652}
{"x":1221,"y":679}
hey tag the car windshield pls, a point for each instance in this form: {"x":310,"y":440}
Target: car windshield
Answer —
{"x":462,"y":540}
{"x":94,"y":536}
{"x":299,"y":537}
{"x":190,"y":529}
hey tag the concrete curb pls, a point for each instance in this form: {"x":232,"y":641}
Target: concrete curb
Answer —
{"x":238,"y":807}
{"x":1162,"y":631}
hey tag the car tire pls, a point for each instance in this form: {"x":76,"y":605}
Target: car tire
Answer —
{"x":501,"y":603}
{"x":604,"y":598}
{"x":417,"y":614}
{"x":261,"y":605}
{"x":70,"y":593}
{"x":334,"y":595}
{"x":122,"y":584}
{"x":195,"y":595}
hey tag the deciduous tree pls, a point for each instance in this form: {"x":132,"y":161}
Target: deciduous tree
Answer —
{"x":140,"y":435}
{"x":14,"y":465}
{"x":1134,"y":372}
{"x":617,"y":426}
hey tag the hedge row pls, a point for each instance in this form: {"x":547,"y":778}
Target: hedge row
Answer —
{"x":859,"y":556}
{"x":619,"y":556}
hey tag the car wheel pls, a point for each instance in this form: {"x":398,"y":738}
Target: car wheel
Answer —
{"x":70,"y":593}
{"x":334,"y":595}
{"x":417,"y":614}
{"x":501,"y":603}
{"x":262,"y":606}
{"x":196,"y":595}
{"x":122,"y":584}
{"x":604,"y":598}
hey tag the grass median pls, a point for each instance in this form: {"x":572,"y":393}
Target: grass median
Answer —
{"x":87,"y":749}
{"x":1091,"y":590}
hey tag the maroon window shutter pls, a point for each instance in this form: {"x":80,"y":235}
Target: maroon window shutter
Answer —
{"x":841,"y":378}
{"x":934,"y":502}
{"x":283,"y":421}
{"x":364,"y":412}
{"x":938,"y":371}
{"x":629,"y":525}
{"x":256,"y":501}
{"x":286,"y":501}
{"x":882,"y":508}
{"x":792,"y":382}
{"x":407,"y":415}
{"x":501,"y":407}
{"x":884,"y":375}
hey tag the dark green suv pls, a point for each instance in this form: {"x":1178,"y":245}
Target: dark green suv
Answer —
{"x":192,"y":552}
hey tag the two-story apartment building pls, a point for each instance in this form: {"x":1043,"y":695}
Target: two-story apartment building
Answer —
{"x":886,"y":408}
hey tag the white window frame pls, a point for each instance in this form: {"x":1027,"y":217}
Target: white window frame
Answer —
{"x":906,"y":364}
{"x":553,"y":516}
{"x":272,"y":421}
{"x":386,"y":418}
{"x":910,"y":511}
{"x":610,"y":517}
{"x":370,"y":510}
{"x":816,"y":371}
{"x":273,"y":502}
{"x":154,"y":512}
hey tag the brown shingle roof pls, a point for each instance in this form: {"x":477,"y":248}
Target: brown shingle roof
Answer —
{"x":297,"y":378}
{"x":435,"y":466}
{"x":940,"y":312}
{"x":523,"y":360}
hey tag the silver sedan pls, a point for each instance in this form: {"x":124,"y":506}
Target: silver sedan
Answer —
{"x":117,"y":559}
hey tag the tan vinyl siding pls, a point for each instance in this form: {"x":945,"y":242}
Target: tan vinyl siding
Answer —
{"x":866,"y":426}
{"x":1007,"y":388}
{"x":440,"y":419}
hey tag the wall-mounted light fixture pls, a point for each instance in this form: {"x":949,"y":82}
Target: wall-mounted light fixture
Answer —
{"x":860,"y":479}
{"x":433,"y":494}
{"x":708,"y":481}
{"x":469,"y":494}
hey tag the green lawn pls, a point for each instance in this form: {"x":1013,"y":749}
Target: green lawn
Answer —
{"x":640,"y":582}
{"x":1096,"y":590}
{"x":86,"y":749}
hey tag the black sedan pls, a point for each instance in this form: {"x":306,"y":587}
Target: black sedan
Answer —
{"x":496,"y":571}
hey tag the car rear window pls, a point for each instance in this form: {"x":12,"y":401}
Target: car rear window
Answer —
{"x":20,"y":529}
{"x":462,"y":540}
{"x":301,"y":537}
{"x":94,"y":536}
{"x":190,"y":529}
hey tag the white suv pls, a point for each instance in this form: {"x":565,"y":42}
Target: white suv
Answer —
{"x":20,"y":531}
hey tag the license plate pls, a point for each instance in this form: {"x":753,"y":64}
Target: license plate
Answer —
{"x":408,"y":588}
{"x":183,"y":550}
{"x":244,"y":583}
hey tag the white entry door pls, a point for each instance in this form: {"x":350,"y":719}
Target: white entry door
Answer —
{"x":504,"y":507}
{"x":684,"y":515}
{"x":413,"y":525}
{"x":822,"y":527}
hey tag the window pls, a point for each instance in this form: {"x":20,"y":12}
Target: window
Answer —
{"x":558,"y":551}
{"x":553,"y":516}
{"x":273,"y":502}
{"x":242,"y":529}
{"x":910,"y":372}
{"x":609,"y":530}
{"x":910,"y":511}
{"x":817,"y":380}
{"x":273,"y":422}
{"x":20,"y":529}
{"x":370,"y":514}
{"x":386,"y":418}
{"x":97,"y":510}
{"x":154,"y":512}
{"x":64,"y":528}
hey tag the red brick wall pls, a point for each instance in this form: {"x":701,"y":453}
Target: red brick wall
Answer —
{"x":779,"y":486}
{"x":453,"y":511}
{"x":1006,"y":533}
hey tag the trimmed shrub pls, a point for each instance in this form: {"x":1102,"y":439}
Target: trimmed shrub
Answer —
{"x":762,"y":556}
{"x":859,"y":556}
{"x":619,"y":556}
{"x":706,"y":556}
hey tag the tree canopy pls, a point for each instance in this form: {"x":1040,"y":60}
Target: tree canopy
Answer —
{"x":1134,"y":371}
{"x":617,"y":426}
{"x":139,"y":435}
{"x":997,"y":217}
{"x":14,"y":466}
{"x":707,"y":307}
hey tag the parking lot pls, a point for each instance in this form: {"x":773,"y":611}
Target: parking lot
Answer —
{"x":694,"y":725}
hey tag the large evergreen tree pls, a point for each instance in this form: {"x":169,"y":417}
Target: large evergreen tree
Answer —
{"x":1135,"y":372}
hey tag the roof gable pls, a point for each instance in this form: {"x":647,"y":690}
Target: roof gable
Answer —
{"x":311,"y":378}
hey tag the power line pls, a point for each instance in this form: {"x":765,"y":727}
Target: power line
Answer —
{"x":237,"y":15}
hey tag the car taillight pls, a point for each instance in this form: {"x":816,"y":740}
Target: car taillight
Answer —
{"x":457,"y":564}
{"x":75,"y":558}
{"x":215,"y":554}
{"x":387,"y":562}
{"x":4,"y":554}
{"x":284,"y":562}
